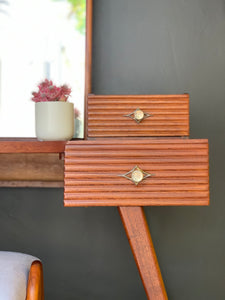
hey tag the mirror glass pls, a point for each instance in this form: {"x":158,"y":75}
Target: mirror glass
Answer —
{"x":39,"y":39}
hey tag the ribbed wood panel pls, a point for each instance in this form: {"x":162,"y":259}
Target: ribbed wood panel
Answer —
{"x":179,"y":168}
{"x":169,"y":115}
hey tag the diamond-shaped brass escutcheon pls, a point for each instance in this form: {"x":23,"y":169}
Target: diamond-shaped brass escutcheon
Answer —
{"x":136,"y":175}
{"x":138,"y":115}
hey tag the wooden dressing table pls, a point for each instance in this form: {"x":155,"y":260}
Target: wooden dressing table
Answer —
{"x":136,"y":153}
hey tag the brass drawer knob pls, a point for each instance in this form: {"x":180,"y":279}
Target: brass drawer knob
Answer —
{"x":138,"y":115}
{"x":136,"y":175}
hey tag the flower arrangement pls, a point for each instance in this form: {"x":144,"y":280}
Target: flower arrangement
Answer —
{"x":47,"y":91}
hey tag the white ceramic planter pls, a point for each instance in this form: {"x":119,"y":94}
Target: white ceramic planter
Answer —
{"x":54,"y":121}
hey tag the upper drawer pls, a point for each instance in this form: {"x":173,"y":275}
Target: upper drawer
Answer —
{"x":139,"y":172}
{"x":140,"y":115}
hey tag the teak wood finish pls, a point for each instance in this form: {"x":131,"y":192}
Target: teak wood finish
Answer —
{"x":88,"y":60}
{"x":180,"y":165}
{"x":179,"y":169}
{"x":32,"y":170}
{"x":30,"y":146}
{"x":133,"y":217}
{"x":108,"y":115}
{"x":143,"y":250}
{"x":35,"y":285}
{"x":31,"y":163}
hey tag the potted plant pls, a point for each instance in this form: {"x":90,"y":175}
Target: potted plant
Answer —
{"x":54,"y":116}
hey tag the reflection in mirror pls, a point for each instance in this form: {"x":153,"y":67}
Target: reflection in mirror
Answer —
{"x":39,"y":39}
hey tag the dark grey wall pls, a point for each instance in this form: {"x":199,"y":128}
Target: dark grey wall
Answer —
{"x":140,"y":47}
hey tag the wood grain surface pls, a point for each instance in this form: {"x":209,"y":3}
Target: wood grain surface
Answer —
{"x":179,"y":169}
{"x":140,"y":240}
{"x":88,"y":59}
{"x":107,"y":115}
{"x":31,"y":163}
{"x":12,"y":145}
{"x":31,"y":170}
{"x":35,"y":285}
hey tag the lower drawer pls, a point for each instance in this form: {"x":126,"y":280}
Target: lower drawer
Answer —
{"x":136,"y":172}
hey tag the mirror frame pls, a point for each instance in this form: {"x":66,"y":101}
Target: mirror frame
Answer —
{"x":88,"y":59}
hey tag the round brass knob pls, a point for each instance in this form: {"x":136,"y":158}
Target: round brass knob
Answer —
{"x":137,"y":175}
{"x":138,"y":115}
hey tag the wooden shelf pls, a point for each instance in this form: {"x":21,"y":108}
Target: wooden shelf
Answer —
{"x":27,"y":162}
{"x":30,"y":145}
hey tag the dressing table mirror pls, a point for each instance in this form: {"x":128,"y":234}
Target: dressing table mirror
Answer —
{"x":40,"y":39}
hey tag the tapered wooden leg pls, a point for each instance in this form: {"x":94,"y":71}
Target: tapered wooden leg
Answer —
{"x":139,"y":237}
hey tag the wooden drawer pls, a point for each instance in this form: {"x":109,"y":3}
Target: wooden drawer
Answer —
{"x":113,"y":116}
{"x":95,"y":172}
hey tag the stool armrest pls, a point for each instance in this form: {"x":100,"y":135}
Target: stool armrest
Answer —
{"x":35,"y":285}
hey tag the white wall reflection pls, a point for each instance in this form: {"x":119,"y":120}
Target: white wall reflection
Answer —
{"x":37,"y":40}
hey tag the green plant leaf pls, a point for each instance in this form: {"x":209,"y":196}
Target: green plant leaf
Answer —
{"x":78,"y":9}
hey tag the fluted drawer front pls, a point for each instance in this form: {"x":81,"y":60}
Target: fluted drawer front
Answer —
{"x":97,"y":172}
{"x":159,"y":115}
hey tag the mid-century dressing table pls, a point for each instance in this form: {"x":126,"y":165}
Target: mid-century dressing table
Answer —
{"x":135,"y":153}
